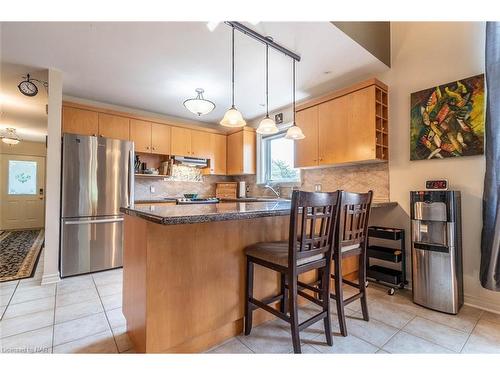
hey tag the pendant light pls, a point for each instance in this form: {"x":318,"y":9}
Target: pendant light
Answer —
{"x":199,"y":105}
{"x":233,"y":118}
{"x":294,"y":132}
{"x":267,"y":125}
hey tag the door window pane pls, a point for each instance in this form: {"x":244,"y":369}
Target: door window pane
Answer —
{"x":22,"y":177}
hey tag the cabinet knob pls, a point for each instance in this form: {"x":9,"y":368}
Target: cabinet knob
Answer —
{"x":147,"y":147}
{"x":154,"y":149}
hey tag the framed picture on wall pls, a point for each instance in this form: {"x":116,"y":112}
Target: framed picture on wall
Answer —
{"x":448,"y":120}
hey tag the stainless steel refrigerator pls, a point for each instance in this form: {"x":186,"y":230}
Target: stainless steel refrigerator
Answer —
{"x":97,"y":179}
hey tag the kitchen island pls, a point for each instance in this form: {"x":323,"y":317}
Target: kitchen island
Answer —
{"x":184,"y":271}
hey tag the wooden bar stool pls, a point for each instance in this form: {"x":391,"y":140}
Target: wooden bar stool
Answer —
{"x":351,"y":240}
{"x":313,"y":222}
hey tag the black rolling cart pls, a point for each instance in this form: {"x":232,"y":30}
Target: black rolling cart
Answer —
{"x":393,"y":278}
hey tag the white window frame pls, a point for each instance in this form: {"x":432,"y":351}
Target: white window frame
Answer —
{"x":262,"y":160}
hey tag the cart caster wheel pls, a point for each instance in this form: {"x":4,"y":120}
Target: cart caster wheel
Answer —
{"x":391,"y":292}
{"x":366,"y":284}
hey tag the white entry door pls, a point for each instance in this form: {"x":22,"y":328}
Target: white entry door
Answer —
{"x":23,"y":191}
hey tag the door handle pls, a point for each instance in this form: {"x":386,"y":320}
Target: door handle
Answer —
{"x":95,"y":221}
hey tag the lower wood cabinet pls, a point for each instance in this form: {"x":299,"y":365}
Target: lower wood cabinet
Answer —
{"x":241,"y":152}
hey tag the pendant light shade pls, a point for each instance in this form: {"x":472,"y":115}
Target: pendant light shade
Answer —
{"x":267,"y":125}
{"x":232,"y":118}
{"x":10,"y":136}
{"x":294,"y":132}
{"x":199,"y":105}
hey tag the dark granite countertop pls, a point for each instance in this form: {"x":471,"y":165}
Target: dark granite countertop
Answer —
{"x":202,"y":213}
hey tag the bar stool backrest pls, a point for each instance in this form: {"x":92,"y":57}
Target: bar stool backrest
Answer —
{"x":313,"y":222}
{"x":353,"y":223}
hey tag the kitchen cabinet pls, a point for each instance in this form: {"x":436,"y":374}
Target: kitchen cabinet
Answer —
{"x":241,"y":152}
{"x":140,"y":134}
{"x":201,"y":144}
{"x":160,"y":139}
{"x":79,"y":121}
{"x":346,"y":127}
{"x":306,"y":150}
{"x":219,"y":154}
{"x":181,"y":142}
{"x":116,"y":127}
{"x":150,"y":137}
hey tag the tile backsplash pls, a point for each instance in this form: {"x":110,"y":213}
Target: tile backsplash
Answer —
{"x":357,"y":178}
{"x":174,"y":189}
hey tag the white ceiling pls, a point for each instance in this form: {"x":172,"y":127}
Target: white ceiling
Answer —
{"x":156,"y":66}
{"x":25,"y":114}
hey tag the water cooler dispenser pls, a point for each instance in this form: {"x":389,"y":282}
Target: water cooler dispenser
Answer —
{"x":437,"y":250}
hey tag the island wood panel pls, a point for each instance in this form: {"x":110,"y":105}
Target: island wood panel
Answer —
{"x":140,"y":134}
{"x":115,"y":127}
{"x":79,"y":121}
{"x":134,"y":280}
{"x":160,"y":138}
{"x":195,"y":281}
{"x":194,"y":277}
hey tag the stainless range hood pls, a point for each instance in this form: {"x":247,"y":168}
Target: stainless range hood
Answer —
{"x":190,"y":161}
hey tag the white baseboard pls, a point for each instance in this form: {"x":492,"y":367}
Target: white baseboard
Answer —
{"x":481,"y":303}
{"x":50,"y":279}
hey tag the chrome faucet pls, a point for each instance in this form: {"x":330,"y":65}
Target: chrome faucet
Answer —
{"x":267,"y":186}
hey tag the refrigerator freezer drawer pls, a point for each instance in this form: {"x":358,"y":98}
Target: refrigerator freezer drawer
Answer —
{"x":91,"y":244}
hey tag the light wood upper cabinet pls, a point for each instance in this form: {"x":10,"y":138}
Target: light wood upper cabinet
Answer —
{"x":219,"y":154}
{"x":181,"y":142}
{"x":160,"y":139}
{"x":333,"y":132}
{"x":345,"y":127}
{"x":201,"y":144}
{"x":116,"y":127}
{"x":79,"y":121}
{"x":306,"y":150}
{"x":140,"y":134}
{"x":241,"y":153}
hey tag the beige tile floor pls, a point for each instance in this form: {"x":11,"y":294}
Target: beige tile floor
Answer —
{"x":83,"y":315}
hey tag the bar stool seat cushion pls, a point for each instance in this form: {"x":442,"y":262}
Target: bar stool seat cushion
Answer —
{"x":277,"y":253}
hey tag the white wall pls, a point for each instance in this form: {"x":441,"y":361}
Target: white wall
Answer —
{"x":53,"y":182}
{"x":423,"y":55}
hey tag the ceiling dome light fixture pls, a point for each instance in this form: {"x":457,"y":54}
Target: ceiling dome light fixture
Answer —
{"x":199,"y":105}
{"x":10,"y":136}
{"x":232,"y":118}
{"x":267,"y":125}
{"x":294,"y":132}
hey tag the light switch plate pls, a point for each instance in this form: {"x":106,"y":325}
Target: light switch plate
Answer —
{"x":152,"y":189}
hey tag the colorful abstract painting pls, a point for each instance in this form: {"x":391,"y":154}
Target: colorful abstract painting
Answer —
{"x":448,"y":120}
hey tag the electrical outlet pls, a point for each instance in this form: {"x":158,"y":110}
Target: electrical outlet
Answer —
{"x":152,"y":189}
{"x":317,"y":187}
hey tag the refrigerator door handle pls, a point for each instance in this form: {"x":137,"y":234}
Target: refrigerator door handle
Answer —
{"x":96,"y":221}
{"x":131,"y":177}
